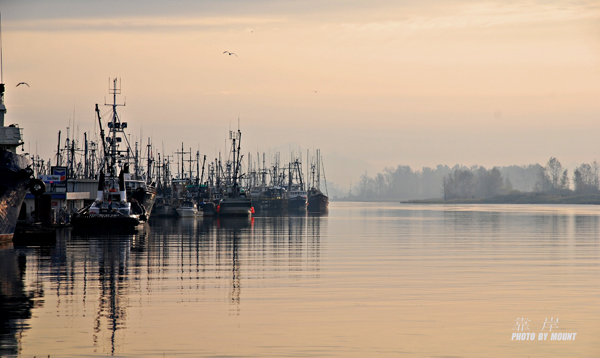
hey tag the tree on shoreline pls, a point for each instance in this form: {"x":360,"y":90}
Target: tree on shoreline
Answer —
{"x":585,"y":178}
{"x":461,"y":182}
{"x":473,"y":183}
{"x":552,"y":178}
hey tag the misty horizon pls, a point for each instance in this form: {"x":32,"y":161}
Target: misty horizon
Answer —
{"x":372,"y":85}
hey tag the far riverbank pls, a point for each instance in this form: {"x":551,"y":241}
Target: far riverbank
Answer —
{"x":518,"y":198}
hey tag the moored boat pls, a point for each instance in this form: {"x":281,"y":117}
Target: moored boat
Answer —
{"x":235,"y":202}
{"x":122,"y":202}
{"x":273,"y":200}
{"x":317,"y":201}
{"x":297,"y":196}
{"x":111,"y":210}
{"x":187,"y":209}
{"x":15,"y":174}
{"x":238,"y":206}
{"x":297,"y":199}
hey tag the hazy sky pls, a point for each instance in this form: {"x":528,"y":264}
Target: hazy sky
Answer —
{"x":418,"y":83}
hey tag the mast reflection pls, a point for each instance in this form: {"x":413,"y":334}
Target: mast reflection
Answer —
{"x":16,"y":302}
{"x":95,"y":281}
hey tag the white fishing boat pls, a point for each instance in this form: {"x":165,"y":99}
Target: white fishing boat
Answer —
{"x":124,"y":201}
{"x":188,"y":209}
{"x":110,"y":211}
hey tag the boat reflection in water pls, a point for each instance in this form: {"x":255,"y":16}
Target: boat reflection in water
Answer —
{"x":16,"y":300}
{"x":99,"y":290}
{"x":371,"y":277}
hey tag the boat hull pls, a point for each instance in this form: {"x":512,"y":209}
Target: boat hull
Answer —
{"x":235,"y":207}
{"x":187,"y":213}
{"x":272,"y":205}
{"x":163,"y":210}
{"x":146,"y":197}
{"x":297,"y":203}
{"x":318,"y":203}
{"x":106,"y":222}
{"x":14,"y":184}
{"x":208,"y":208}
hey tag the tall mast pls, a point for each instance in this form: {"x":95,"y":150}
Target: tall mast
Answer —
{"x":318,"y":169}
{"x":115,"y":126}
{"x":197,"y":166}
{"x":202,"y":175}
{"x":58,"y":158}
{"x":149,"y":163}
{"x":85,"y":156}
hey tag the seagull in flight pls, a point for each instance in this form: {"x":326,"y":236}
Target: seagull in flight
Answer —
{"x":230,"y":53}
{"x":22,"y":83}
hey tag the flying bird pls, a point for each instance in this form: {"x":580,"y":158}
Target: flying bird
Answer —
{"x":230,"y":53}
{"x":22,"y":83}
{"x":315,"y":91}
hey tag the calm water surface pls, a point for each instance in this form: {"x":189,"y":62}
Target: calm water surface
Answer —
{"x":381,"y":280}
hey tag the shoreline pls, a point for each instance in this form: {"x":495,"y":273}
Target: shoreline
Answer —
{"x":516,"y":198}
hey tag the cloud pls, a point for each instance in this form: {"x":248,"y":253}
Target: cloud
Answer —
{"x":140,"y":23}
{"x":480,"y":15}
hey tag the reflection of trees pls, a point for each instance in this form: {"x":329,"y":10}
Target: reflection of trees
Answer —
{"x":16,"y":302}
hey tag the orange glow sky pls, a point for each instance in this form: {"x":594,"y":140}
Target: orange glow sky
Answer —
{"x":416,"y":83}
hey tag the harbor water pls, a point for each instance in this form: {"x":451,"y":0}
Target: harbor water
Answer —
{"x":366,"y":280}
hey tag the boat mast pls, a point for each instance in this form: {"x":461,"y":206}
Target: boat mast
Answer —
{"x":58,"y":158}
{"x":149,"y":163}
{"x":318,"y":169}
{"x":115,"y":126}
{"x":202,"y":175}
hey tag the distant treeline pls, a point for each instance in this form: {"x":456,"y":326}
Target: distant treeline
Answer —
{"x":460,"y":182}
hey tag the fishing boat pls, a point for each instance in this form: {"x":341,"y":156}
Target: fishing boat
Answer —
{"x":164,"y":205}
{"x":235,"y":206}
{"x":297,"y":196}
{"x":272,"y":200}
{"x":297,"y":199}
{"x":318,"y":202}
{"x":206,"y":201}
{"x":139,"y":190}
{"x":122,"y":202}
{"x":187,"y":209}
{"x":235,"y":202}
{"x":111,"y":211}
{"x":15,"y":174}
